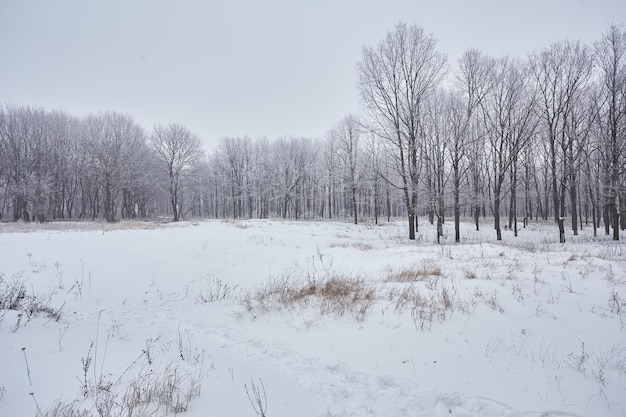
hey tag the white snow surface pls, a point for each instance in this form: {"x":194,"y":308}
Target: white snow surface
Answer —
{"x":533,"y":328}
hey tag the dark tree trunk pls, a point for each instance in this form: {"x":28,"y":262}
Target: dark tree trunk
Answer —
{"x":388,"y":205}
{"x":607,"y":218}
{"x":354,"y":206}
{"x":594,"y":212}
{"x":496,"y":214}
{"x":615,"y":218}
{"x":561,"y":222}
{"x":573,"y":201}
{"x":457,"y":206}
{"x":109,"y":201}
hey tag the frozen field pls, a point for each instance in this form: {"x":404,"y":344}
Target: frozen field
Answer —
{"x":284,"y":319}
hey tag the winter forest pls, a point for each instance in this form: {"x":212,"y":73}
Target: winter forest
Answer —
{"x":509,"y":139}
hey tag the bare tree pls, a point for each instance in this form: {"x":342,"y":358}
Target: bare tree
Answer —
{"x":508,"y":118}
{"x":24,"y":149}
{"x":561,"y":72}
{"x":437,"y":136}
{"x":329,"y":162}
{"x":261,"y":171}
{"x":346,"y":134}
{"x":294,"y":162}
{"x":177,"y":149}
{"x":474,"y":78}
{"x":394,"y":79}
{"x":114,"y":143}
{"x":611,"y":60}
{"x":64,"y":132}
{"x":374,"y":163}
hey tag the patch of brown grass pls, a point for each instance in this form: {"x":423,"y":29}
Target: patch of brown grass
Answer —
{"x":335,"y":294}
{"x":413,"y":274}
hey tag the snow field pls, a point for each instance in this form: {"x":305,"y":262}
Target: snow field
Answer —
{"x":522,"y":327}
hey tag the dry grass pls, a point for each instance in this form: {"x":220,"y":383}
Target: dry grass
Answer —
{"x":167,"y":392}
{"x":432,"y":299}
{"x":414,"y":274}
{"x":426,"y":306}
{"x":152,"y":390}
{"x":15,"y":297}
{"x":339,"y":295}
{"x":83,"y":226}
{"x":356,"y":245}
{"x":469,"y":274}
{"x":239,"y":224}
{"x":214,"y":289}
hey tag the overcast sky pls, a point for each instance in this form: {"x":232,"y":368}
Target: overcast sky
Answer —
{"x":257,"y":68}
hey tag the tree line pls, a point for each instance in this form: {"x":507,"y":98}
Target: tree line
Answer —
{"x":540,"y":137}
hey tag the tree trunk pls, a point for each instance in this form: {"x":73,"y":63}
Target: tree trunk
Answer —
{"x":513,"y":207}
{"x":388,"y":205}
{"x":607,"y":218}
{"x":354,"y":206}
{"x":594,"y":212}
{"x":457,"y":206}
{"x":109,"y":204}
{"x":622,"y":206}
{"x":573,"y":201}
{"x":561,"y":222}
{"x":411,"y":227}
{"x":376,"y":208}
{"x":615,"y":217}
{"x":496,"y":213}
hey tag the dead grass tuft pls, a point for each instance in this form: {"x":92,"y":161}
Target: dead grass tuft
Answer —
{"x":356,"y":245}
{"x":152,"y":390}
{"x":435,"y":304}
{"x":409,"y":274}
{"x":238,"y":224}
{"x":27,"y":305}
{"x":469,"y":274}
{"x":339,"y":295}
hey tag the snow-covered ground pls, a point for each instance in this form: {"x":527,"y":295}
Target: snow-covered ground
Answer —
{"x":311,"y":319}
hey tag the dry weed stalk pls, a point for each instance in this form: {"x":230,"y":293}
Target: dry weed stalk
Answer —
{"x":259,"y":402}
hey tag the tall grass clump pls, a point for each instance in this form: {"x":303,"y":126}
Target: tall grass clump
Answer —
{"x":15,"y":297}
{"x":427,"y":271}
{"x":336,"y":294}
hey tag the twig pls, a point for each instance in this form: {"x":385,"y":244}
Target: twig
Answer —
{"x":27,"y":367}
{"x":32,"y":394}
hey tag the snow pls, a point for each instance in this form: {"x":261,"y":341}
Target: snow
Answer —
{"x":533,"y":328}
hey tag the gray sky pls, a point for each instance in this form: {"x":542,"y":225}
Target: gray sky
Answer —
{"x":257,"y":68}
